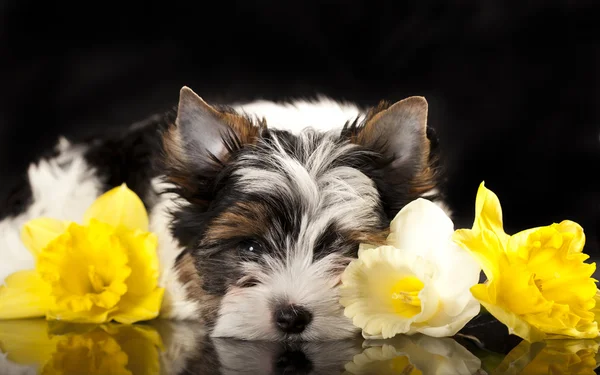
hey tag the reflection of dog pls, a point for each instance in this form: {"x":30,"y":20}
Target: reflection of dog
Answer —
{"x":255,"y":223}
{"x":228,"y":356}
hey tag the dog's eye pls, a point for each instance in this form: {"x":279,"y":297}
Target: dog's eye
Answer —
{"x":250,"y":246}
{"x":247,"y":282}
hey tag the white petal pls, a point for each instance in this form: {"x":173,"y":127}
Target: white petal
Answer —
{"x":457,"y":272}
{"x":429,"y":301}
{"x":421,"y":225}
{"x":453,"y":323}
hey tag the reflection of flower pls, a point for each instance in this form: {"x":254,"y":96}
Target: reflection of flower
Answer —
{"x":538,"y":284}
{"x":414,"y":355}
{"x":104,"y":270}
{"x":418,"y":283}
{"x":93,"y":353}
{"x":80,"y":349}
{"x":567,"y":357}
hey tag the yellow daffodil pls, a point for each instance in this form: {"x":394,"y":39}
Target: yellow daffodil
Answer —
{"x":39,"y":347}
{"x":106,"y":269}
{"x":566,"y":357}
{"x":414,"y":355}
{"x":419,"y":282}
{"x":538,"y":283}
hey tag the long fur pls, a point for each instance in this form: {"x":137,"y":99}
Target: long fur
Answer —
{"x":251,"y":218}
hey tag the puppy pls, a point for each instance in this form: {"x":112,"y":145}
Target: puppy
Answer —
{"x":258,"y":207}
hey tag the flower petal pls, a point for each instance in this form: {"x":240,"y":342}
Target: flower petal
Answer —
{"x":484,"y":247}
{"x":143,"y":261}
{"x":368,"y":287}
{"x":451,"y":324}
{"x":139,"y":308}
{"x":596,"y":308}
{"x":516,"y":325}
{"x":454,"y":291}
{"x":422,"y":226}
{"x":25,"y":295}
{"x":488,"y":213}
{"x":96,"y":315}
{"x":37,"y":233}
{"x":577,"y":242}
{"x":487,"y":240}
{"x":86,"y":267}
{"x":119,"y":207}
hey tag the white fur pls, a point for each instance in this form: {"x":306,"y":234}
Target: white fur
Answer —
{"x":322,"y":114}
{"x":63,"y":187}
{"x":339,"y":195}
{"x":175,"y":304}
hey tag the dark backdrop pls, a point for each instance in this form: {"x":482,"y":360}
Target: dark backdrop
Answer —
{"x":513,"y":89}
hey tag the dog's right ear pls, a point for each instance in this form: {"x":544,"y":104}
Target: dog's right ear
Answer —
{"x":199,"y":143}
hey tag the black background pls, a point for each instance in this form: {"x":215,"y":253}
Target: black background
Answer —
{"x":513,"y":87}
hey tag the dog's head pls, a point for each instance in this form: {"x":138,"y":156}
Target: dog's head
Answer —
{"x":272,"y":219}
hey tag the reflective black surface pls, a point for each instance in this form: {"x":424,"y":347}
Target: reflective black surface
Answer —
{"x":165,"y":347}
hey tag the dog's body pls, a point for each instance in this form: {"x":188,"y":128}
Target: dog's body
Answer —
{"x":256,"y":218}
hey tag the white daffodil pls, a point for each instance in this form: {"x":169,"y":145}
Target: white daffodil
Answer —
{"x":418,"y":283}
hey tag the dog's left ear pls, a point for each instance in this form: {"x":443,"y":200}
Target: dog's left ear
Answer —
{"x":399,"y":134}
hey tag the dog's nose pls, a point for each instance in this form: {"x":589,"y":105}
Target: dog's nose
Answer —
{"x":292,"y":319}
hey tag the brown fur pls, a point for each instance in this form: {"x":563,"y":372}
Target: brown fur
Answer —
{"x":244,"y":219}
{"x":181,"y":162}
{"x":372,"y":238}
{"x":426,"y":178}
{"x":192,"y":281}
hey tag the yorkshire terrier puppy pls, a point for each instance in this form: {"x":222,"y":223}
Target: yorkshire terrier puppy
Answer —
{"x":258,"y":207}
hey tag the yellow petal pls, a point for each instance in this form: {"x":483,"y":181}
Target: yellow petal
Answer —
{"x":143,"y":261}
{"x":596,"y":308}
{"x":139,"y":308}
{"x":86,"y":268}
{"x":488,"y":212}
{"x":25,"y":295}
{"x":37,"y":233}
{"x":95,"y":315}
{"x":516,"y":325}
{"x":577,"y":242}
{"x":26,"y":342}
{"x":119,"y":207}
{"x":484,"y":246}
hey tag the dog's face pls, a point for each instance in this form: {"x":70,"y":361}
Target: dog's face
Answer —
{"x":272,"y":219}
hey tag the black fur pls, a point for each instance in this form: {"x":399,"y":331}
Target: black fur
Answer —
{"x":17,"y":199}
{"x":130,"y":157}
{"x":218,"y":190}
